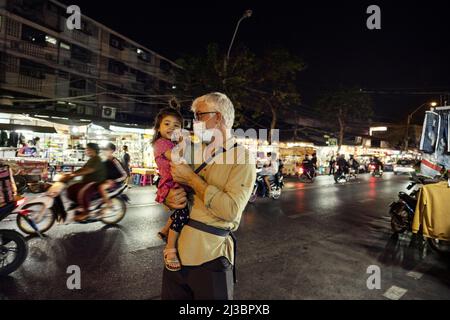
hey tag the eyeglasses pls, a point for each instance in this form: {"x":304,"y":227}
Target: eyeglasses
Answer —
{"x":198,"y":115}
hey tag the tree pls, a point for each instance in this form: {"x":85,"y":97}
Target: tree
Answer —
{"x":275,"y":82}
{"x":344,"y":106}
{"x":201,"y":74}
{"x":262,"y":85}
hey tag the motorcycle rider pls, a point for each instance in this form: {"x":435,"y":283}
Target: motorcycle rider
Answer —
{"x":116,"y":174}
{"x":377,"y":163}
{"x":354,"y":164}
{"x":342,"y":167}
{"x":269,"y":172}
{"x":93,"y":173}
{"x":308,"y":166}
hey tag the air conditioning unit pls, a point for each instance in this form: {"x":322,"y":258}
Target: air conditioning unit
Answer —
{"x":109,"y":113}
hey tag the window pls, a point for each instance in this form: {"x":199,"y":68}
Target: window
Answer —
{"x":33,"y":69}
{"x":33,"y":35}
{"x":64,"y":45}
{"x":116,"y":67}
{"x":51,"y":40}
{"x":81,"y":54}
{"x":144,"y":56}
{"x":116,"y":42}
{"x":165,"y":65}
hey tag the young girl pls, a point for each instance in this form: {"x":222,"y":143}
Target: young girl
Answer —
{"x":167,"y":121}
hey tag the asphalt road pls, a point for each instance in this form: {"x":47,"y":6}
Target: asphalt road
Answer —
{"x":316,"y":242}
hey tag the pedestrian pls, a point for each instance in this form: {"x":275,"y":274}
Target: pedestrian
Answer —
{"x":206,"y":244}
{"x":167,"y":121}
{"x":332,"y":163}
{"x":126,"y":159}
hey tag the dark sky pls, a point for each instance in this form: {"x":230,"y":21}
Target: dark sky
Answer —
{"x":410,"y":53}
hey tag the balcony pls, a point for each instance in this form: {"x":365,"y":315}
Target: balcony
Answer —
{"x":32,"y":50}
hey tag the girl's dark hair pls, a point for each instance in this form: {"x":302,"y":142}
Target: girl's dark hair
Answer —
{"x":160,"y":116}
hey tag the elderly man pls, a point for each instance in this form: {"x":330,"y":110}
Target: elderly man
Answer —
{"x":222,"y":185}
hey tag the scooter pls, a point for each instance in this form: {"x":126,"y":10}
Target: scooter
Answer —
{"x":39,"y":214}
{"x":375,"y":170}
{"x":13,"y":246}
{"x":340,"y":176}
{"x":306,"y":175}
{"x":276,"y":184}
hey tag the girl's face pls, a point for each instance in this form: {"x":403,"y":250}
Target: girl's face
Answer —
{"x":168,"y":125}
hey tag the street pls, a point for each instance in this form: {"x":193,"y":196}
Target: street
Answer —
{"x":316,"y":242}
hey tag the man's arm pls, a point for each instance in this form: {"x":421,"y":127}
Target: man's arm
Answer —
{"x":228,"y":204}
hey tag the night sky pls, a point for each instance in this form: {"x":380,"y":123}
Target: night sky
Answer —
{"x":411,"y":53}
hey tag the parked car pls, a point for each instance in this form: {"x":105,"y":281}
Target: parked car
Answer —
{"x":389,"y":166}
{"x":404,"y":166}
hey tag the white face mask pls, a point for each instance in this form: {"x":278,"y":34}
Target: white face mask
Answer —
{"x":204,"y":134}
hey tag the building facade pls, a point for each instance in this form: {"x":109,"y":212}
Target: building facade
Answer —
{"x":94,"y":72}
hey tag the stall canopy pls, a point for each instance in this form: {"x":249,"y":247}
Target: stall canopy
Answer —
{"x":11,"y":127}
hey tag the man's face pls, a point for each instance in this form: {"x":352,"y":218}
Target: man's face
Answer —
{"x":90,"y":152}
{"x":207,"y":115}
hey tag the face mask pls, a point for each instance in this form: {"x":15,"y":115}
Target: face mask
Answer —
{"x":204,"y":134}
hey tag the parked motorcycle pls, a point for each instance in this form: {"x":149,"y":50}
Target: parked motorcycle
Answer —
{"x":402,"y":212}
{"x":276,"y":184}
{"x":38,"y":215}
{"x":13,"y":246}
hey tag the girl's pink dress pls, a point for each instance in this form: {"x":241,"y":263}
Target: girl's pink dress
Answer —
{"x":166,"y":181}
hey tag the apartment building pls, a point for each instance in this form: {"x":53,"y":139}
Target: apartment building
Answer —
{"x":92,"y":73}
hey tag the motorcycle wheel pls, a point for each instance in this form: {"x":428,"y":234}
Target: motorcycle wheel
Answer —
{"x":304,"y":178}
{"x":116,"y":214}
{"x":252,"y":198}
{"x":43,"y":221}
{"x":440,"y":246}
{"x":276,"y":193}
{"x":13,"y":244}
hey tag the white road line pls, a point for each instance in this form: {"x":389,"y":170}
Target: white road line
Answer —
{"x":415,"y":275}
{"x":395,"y":293}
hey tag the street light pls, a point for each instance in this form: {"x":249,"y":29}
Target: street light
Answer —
{"x":247,"y":14}
{"x":408,"y":120}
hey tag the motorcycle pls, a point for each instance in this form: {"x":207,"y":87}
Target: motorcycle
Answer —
{"x":402,"y":212}
{"x":276,"y":184}
{"x":340,"y":176}
{"x":13,"y":246}
{"x":38,"y":215}
{"x":375,"y":170}
{"x":306,"y":174}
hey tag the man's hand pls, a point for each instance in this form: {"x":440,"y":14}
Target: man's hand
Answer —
{"x":66,"y":177}
{"x":182,"y":173}
{"x":176,"y":199}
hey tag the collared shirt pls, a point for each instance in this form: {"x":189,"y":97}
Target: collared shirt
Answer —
{"x":230,"y":178}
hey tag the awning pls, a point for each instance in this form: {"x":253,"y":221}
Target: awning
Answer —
{"x":11,"y":127}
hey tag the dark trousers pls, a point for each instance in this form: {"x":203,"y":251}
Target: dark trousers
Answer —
{"x":212,"y":280}
{"x":82,"y":193}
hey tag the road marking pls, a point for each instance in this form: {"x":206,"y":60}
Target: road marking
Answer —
{"x":365,"y":200}
{"x":295,"y":216}
{"x":395,"y":293}
{"x":415,"y":275}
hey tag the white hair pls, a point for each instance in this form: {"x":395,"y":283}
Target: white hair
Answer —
{"x":220,"y":103}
